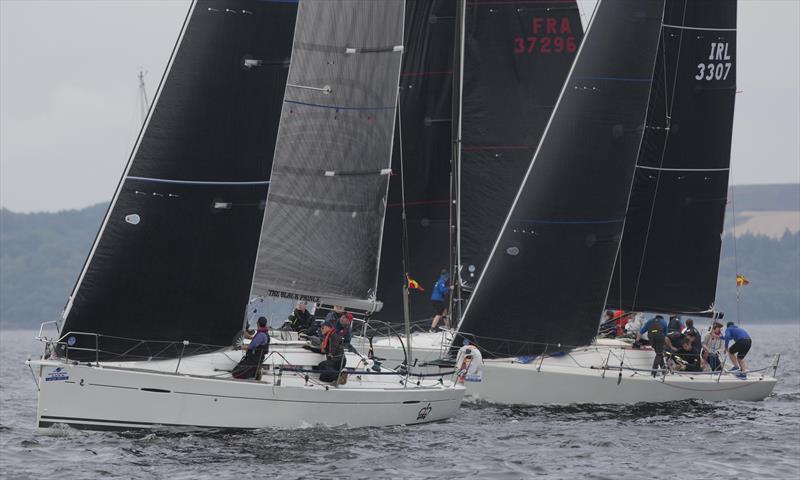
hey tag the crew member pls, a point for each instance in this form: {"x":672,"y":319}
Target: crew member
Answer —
{"x":656,"y":329}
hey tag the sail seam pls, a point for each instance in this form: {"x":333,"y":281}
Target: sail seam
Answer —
{"x":700,"y":28}
{"x":665,"y":169}
{"x":613,"y":79}
{"x":337,"y":107}
{"x":571,"y":222}
{"x":198,"y":182}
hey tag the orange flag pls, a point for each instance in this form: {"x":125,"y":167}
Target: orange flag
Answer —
{"x":414,"y":285}
{"x":741,"y":280}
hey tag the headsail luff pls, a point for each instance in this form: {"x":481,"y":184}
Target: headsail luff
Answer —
{"x":547,"y":277}
{"x":669,"y":257}
{"x":517,"y":57}
{"x":322,"y":227}
{"x":174,"y":256}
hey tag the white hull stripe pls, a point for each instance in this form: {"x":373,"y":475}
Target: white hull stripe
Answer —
{"x":195,"y":182}
{"x":684,"y":169}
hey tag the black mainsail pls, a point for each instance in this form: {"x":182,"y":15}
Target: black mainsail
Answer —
{"x":669,"y":257}
{"x":324,"y":217}
{"x":546,"y":280}
{"x":516,"y":58}
{"x":174,"y":256}
{"x":420,"y":183}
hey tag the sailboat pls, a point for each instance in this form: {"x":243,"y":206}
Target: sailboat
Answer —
{"x":478,"y":84}
{"x":262,"y":167}
{"x":635,"y":156}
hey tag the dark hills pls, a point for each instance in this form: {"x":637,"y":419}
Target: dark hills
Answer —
{"x":41,"y":255}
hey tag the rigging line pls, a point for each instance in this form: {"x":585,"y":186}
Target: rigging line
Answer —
{"x":735,"y":258}
{"x":668,"y":108}
{"x":405,"y":249}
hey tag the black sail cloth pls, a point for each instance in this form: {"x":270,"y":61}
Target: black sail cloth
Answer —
{"x":516,"y":59}
{"x":324,"y":216}
{"x":426,"y":88}
{"x":547,"y":278}
{"x":174,"y":258}
{"x":669,"y":257}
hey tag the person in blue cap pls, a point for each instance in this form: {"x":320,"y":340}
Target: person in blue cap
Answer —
{"x":656,"y":329}
{"x":740,"y":347}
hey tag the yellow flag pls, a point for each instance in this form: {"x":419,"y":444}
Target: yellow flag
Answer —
{"x":741,"y":280}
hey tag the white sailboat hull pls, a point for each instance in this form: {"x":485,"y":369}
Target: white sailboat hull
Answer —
{"x":109,"y":397}
{"x":580,"y":378}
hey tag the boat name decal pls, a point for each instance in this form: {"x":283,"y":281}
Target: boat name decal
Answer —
{"x":293,"y":296}
{"x":58,"y":374}
{"x":424,"y":411}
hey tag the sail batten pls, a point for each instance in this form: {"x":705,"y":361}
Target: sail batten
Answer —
{"x":323,"y":220}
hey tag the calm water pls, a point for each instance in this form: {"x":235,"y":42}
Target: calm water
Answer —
{"x":692,"y":440}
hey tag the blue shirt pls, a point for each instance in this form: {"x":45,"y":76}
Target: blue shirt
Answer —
{"x":440,"y":289}
{"x":261,"y":339}
{"x":734,"y":333}
{"x":654,"y":324}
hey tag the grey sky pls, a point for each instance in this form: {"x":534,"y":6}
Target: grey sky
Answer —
{"x":68,"y":93}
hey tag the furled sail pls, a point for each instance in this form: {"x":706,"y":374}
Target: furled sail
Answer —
{"x":322,"y":227}
{"x":174,"y":257}
{"x":547,"y":277}
{"x":423,"y":170}
{"x":516,"y":59}
{"x":669,"y":256}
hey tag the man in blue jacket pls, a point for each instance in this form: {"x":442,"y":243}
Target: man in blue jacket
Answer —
{"x":656,"y":329}
{"x":438,"y":297}
{"x":740,"y":347}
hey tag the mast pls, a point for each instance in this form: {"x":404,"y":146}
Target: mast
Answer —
{"x":454,"y":310}
{"x":144,"y":103}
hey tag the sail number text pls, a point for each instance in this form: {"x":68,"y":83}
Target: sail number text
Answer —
{"x":548,"y":35}
{"x":717,"y":68}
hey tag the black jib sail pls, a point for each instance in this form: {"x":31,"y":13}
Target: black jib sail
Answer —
{"x":669,"y":256}
{"x":324,"y":217}
{"x":516,"y":58}
{"x":174,"y":257}
{"x":423,"y":170}
{"x":546,"y":280}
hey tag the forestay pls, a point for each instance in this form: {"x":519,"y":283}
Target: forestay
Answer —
{"x":547,"y":277}
{"x":670,"y":249}
{"x":174,"y":257}
{"x":322,"y":227}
